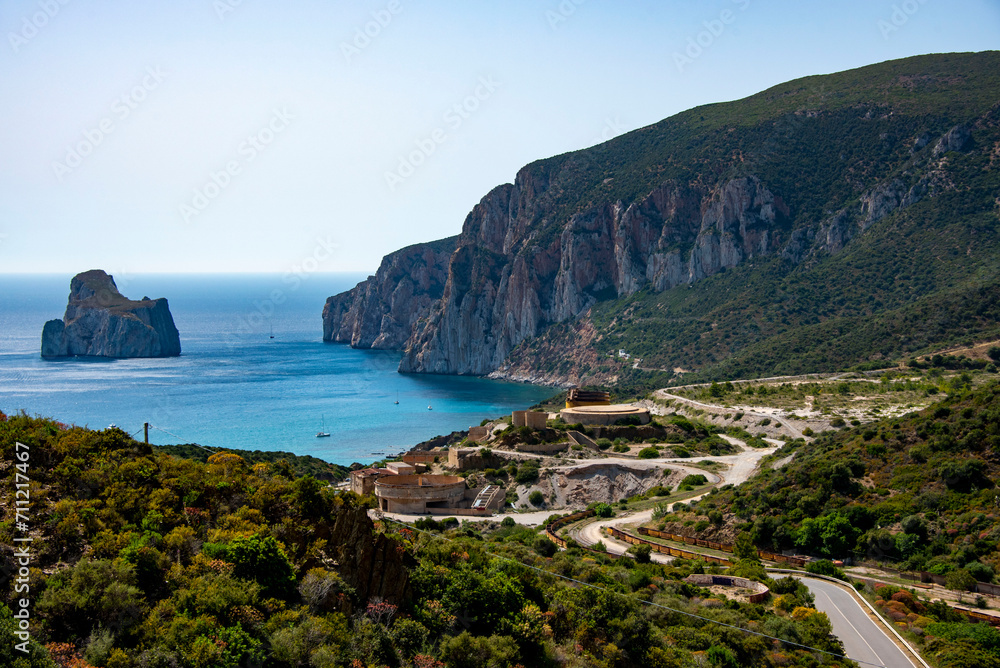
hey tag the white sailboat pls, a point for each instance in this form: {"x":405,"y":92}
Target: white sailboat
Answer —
{"x":323,"y":433}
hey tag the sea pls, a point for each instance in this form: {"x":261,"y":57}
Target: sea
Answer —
{"x":234,"y":386}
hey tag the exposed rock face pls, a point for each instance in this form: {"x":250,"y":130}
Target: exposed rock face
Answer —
{"x":101,"y":322}
{"x":382,"y":311}
{"x":374,"y":564}
{"x":546,"y":248}
{"x":955,"y":139}
{"x":461,"y":305}
{"x":504,"y":286}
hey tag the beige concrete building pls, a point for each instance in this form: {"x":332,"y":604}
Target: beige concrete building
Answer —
{"x":533,"y":419}
{"x":417,"y":493}
{"x":401,"y":468}
{"x":363,"y":481}
{"x":478,"y":434}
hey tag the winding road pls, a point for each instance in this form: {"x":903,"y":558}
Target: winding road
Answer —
{"x":864,"y":640}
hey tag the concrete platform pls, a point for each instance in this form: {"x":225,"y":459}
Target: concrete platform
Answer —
{"x":603,"y":415}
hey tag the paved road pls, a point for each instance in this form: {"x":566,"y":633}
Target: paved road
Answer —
{"x":864,"y":640}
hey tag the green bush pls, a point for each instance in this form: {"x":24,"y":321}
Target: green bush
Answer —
{"x":536,"y":498}
{"x":694,"y":480}
{"x":527,"y":473}
{"x":604,"y":510}
{"x":545,"y":547}
{"x":641,"y":552}
{"x":649,"y":453}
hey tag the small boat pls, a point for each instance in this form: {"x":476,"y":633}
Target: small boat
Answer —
{"x":430,"y":408}
{"x":397,"y":397}
{"x":272,"y":331}
{"x":323,"y":433}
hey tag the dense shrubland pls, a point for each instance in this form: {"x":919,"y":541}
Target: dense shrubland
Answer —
{"x":145,"y":559}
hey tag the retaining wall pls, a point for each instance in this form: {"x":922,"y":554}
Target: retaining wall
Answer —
{"x":721,"y":547}
{"x":760,"y":590}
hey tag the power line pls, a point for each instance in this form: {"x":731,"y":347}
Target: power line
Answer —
{"x":650,"y":603}
{"x":180,"y":438}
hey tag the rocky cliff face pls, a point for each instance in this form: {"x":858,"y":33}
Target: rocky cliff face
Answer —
{"x":101,"y":322}
{"x":372,"y":563}
{"x":382,"y":311}
{"x":505,"y":285}
{"x":537,"y":252}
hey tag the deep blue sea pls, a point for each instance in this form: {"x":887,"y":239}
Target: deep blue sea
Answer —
{"x":234,"y":386}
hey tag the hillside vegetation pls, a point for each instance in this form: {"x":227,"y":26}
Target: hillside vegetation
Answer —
{"x":886,"y":247}
{"x":918,"y":491}
{"x":143,"y":559}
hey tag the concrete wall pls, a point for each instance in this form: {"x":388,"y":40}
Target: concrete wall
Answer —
{"x":465,"y":458}
{"x":759,"y":590}
{"x":478,"y":434}
{"x":533,"y":419}
{"x":363,"y":481}
{"x":423,"y":457}
{"x":543,"y":448}
{"x":603,"y":415}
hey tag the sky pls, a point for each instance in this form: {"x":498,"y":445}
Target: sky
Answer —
{"x":202,"y":136}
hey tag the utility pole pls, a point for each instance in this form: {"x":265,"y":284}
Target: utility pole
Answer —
{"x":145,"y":428}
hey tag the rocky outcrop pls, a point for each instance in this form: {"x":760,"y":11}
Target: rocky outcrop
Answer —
{"x":507,"y":282}
{"x":956,"y":139}
{"x":101,"y":322}
{"x":372,"y":563}
{"x":382,"y":311}
{"x":651,"y":210}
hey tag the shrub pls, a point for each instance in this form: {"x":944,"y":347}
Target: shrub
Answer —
{"x":603,"y":443}
{"x":649,"y":453}
{"x":641,"y":553}
{"x":528,"y":472}
{"x":604,"y":510}
{"x":536,"y":498}
{"x":837,"y":422}
{"x":545,"y":547}
{"x":825,"y":567}
{"x":694,"y":480}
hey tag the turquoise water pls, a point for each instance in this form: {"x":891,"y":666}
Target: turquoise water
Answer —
{"x":233,"y":385}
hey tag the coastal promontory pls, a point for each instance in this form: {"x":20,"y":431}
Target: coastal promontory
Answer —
{"x":101,"y":322}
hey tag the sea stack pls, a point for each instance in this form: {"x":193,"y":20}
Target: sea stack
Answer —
{"x":101,"y":322}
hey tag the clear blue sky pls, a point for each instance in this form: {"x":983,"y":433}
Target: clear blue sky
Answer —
{"x":115,"y":114}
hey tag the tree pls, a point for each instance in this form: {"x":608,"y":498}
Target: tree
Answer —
{"x":960,"y":580}
{"x":744,"y":548}
{"x":261,"y":559}
{"x":603,"y":510}
{"x":545,"y":547}
{"x":642,"y":553}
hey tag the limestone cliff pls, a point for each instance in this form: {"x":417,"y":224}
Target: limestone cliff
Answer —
{"x":382,"y":311}
{"x":101,"y":322}
{"x":668,"y":205}
{"x":504,"y":286}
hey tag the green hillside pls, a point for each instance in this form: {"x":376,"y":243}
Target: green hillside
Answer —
{"x":913,"y":278}
{"x":141,"y":559}
{"x":919,"y":491}
{"x":802,"y":138}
